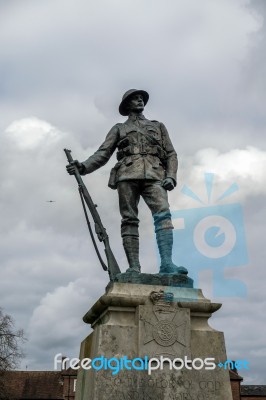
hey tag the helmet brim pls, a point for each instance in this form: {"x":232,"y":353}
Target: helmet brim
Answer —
{"x":123,"y":110}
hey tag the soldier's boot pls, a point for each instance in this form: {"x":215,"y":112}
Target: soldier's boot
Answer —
{"x":164,"y":239}
{"x":131,"y":246}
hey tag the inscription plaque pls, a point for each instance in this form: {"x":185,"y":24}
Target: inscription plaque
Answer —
{"x":160,"y":385}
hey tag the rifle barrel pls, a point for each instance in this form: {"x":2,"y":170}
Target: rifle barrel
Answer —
{"x":113,"y":268}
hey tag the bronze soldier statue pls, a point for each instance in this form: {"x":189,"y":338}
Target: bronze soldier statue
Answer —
{"x":147,"y":166}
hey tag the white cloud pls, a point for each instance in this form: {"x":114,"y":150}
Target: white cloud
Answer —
{"x":61,"y":310}
{"x":28,"y":133}
{"x":244,"y":167}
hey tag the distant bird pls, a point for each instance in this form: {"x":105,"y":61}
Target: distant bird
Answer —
{"x":50,"y":201}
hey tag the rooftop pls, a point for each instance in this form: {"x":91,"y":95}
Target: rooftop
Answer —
{"x":253,"y":390}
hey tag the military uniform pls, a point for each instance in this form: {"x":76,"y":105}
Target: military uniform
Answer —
{"x":145,"y":158}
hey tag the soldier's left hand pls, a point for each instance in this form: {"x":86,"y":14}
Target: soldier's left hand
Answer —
{"x":168,"y":184}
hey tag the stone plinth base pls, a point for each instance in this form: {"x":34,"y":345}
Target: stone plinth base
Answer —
{"x":149,"y":321}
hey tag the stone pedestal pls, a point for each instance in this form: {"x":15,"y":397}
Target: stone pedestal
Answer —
{"x":147,"y":321}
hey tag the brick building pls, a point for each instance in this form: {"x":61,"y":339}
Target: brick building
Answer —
{"x":235,"y":380}
{"x":253,"y":392}
{"x":39,"y":385}
{"x":246,"y":392}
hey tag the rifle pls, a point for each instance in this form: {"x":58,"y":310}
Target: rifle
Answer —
{"x":113,"y":268}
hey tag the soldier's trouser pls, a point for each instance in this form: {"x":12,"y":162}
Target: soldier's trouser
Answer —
{"x":154,"y":195}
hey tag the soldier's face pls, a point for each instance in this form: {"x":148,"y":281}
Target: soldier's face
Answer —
{"x":136,"y":103}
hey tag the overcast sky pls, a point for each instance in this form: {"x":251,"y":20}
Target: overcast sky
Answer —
{"x":64,"y":66}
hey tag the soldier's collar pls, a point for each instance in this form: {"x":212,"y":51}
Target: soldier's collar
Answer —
{"x":135,"y":117}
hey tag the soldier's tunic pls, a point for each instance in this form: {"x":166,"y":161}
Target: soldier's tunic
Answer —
{"x":145,"y":158}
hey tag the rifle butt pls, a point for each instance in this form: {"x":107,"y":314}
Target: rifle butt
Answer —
{"x":113,"y":267}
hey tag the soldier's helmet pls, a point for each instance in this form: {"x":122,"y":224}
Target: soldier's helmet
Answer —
{"x":123,"y":105}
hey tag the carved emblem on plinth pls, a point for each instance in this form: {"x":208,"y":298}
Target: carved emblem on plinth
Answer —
{"x":164,"y":333}
{"x":165,"y":327}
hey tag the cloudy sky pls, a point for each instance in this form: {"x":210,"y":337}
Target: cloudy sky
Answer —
{"x":64,"y":66}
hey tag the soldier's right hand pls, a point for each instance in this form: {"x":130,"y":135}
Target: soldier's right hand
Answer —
{"x":71,"y":167}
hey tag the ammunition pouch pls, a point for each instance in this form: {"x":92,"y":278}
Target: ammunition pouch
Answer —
{"x":112,"y":180}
